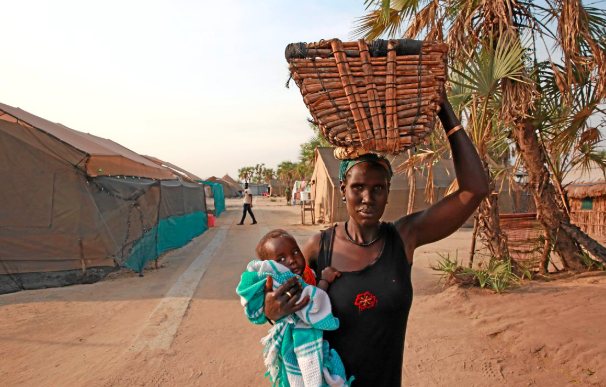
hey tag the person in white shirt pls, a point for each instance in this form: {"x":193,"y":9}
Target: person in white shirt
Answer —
{"x":247,"y":205}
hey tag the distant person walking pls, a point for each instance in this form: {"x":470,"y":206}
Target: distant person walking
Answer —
{"x":247,"y":205}
{"x":288,"y":196}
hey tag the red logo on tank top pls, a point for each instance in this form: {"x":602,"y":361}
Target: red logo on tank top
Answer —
{"x":365,"y":301}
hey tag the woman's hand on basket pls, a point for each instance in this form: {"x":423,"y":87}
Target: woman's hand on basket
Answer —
{"x":447,"y":115}
{"x":444,"y":103}
{"x":283,"y":301}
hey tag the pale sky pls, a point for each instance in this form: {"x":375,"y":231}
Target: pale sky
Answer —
{"x":199,"y":84}
{"x":196,"y":83}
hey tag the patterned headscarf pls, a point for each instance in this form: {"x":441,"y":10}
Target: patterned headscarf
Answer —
{"x":346,"y":165}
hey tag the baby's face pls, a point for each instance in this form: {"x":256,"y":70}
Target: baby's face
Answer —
{"x":285,"y":251}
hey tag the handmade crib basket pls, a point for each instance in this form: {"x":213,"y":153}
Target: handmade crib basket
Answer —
{"x":380,"y":96}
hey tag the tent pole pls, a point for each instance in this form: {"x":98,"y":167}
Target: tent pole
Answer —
{"x":82,"y":262}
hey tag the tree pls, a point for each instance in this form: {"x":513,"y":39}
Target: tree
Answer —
{"x":246,"y":174}
{"x":268,"y":175}
{"x":259,"y":176}
{"x":576,"y":33}
{"x":287,"y":172}
{"x":307,"y":154}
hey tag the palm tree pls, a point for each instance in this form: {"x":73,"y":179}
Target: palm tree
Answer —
{"x":258,"y":173}
{"x":246,"y":174}
{"x":287,"y":171}
{"x":473,"y":96}
{"x":268,"y":175}
{"x":575,"y":30}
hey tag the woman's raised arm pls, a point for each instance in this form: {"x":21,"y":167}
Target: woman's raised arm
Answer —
{"x":446,"y":216}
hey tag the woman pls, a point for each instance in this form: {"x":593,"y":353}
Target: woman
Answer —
{"x":372,"y":297}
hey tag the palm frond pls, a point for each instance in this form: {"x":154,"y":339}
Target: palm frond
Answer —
{"x":374,"y":24}
{"x":490,"y":65}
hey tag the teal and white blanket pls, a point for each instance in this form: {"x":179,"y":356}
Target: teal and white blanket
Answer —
{"x":295,"y":354}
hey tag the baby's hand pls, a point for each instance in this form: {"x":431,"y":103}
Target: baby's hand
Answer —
{"x":329,"y":274}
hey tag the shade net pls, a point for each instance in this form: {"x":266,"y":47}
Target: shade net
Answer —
{"x":128,"y":208}
{"x":218,"y":196}
{"x":181,"y":217}
{"x":96,"y":222}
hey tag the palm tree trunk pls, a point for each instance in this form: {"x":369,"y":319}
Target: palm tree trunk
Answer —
{"x":472,"y":251}
{"x":549,"y":212}
{"x":591,"y":245}
{"x":489,"y":224}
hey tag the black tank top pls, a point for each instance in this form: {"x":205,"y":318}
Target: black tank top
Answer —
{"x":372,"y":306}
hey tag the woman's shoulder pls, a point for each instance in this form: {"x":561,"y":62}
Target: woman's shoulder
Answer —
{"x":312,"y":248}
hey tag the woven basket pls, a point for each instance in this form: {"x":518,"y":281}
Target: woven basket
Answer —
{"x":380,"y":96}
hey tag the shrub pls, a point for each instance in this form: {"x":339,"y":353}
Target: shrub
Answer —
{"x":497,"y":275}
{"x":590,"y":262}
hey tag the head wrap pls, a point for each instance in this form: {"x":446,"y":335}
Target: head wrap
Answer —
{"x":346,"y":165}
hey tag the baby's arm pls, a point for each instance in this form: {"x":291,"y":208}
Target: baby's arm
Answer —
{"x":328,"y":276}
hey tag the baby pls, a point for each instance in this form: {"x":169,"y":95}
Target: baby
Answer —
{"x":295,"y":353}
{"x":281,"y":247}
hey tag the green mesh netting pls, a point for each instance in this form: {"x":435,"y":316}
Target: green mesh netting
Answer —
{"x":143,"y":251}
{"x":218,"y":195}
{"x":179,"y":230}
{"x":171,"y":233}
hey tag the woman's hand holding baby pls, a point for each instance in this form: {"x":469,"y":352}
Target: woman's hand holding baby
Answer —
{"x":283,"y":301}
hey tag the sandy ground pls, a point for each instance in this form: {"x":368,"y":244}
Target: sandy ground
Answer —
{"x":182,"y":325}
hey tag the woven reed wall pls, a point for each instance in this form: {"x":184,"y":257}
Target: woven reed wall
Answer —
{"x":592,"y":222}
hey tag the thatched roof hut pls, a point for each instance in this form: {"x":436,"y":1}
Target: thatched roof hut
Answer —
{"x":588,"y":206}
{"x":586,"y":190}
{"x":277,"y":187}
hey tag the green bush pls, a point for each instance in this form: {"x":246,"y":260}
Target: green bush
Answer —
{"x":497,"y":275}
{"x":446,"y":267}
{"x":590,"y":262}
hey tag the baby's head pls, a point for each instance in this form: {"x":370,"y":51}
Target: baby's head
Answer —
{"x":280,"y":246}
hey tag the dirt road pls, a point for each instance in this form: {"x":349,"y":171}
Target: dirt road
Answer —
{"x":182,"y":325}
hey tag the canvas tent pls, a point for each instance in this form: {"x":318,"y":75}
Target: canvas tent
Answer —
{"x":233,"y":183}
{"x":228,"y":190}
{"x":212,"y":190}
{"x":181,"y":173}
{"x":216,"y":192}
{"x":74,"y":202}
{"x":329,"y":207}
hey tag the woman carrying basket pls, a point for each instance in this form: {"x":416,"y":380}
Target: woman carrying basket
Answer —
{"x":372,"y":298}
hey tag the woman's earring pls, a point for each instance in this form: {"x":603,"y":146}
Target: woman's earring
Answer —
{"x":344,"y":200}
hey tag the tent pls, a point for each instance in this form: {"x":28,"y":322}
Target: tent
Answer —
{"x":79,"y":205}
{"x":181,"y":173}
{"x":329,"y":208}
{"x":228,"y":190}
{"x":217,"y":195}
{"x":212,"y":190}
{"x":233,"y":183}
